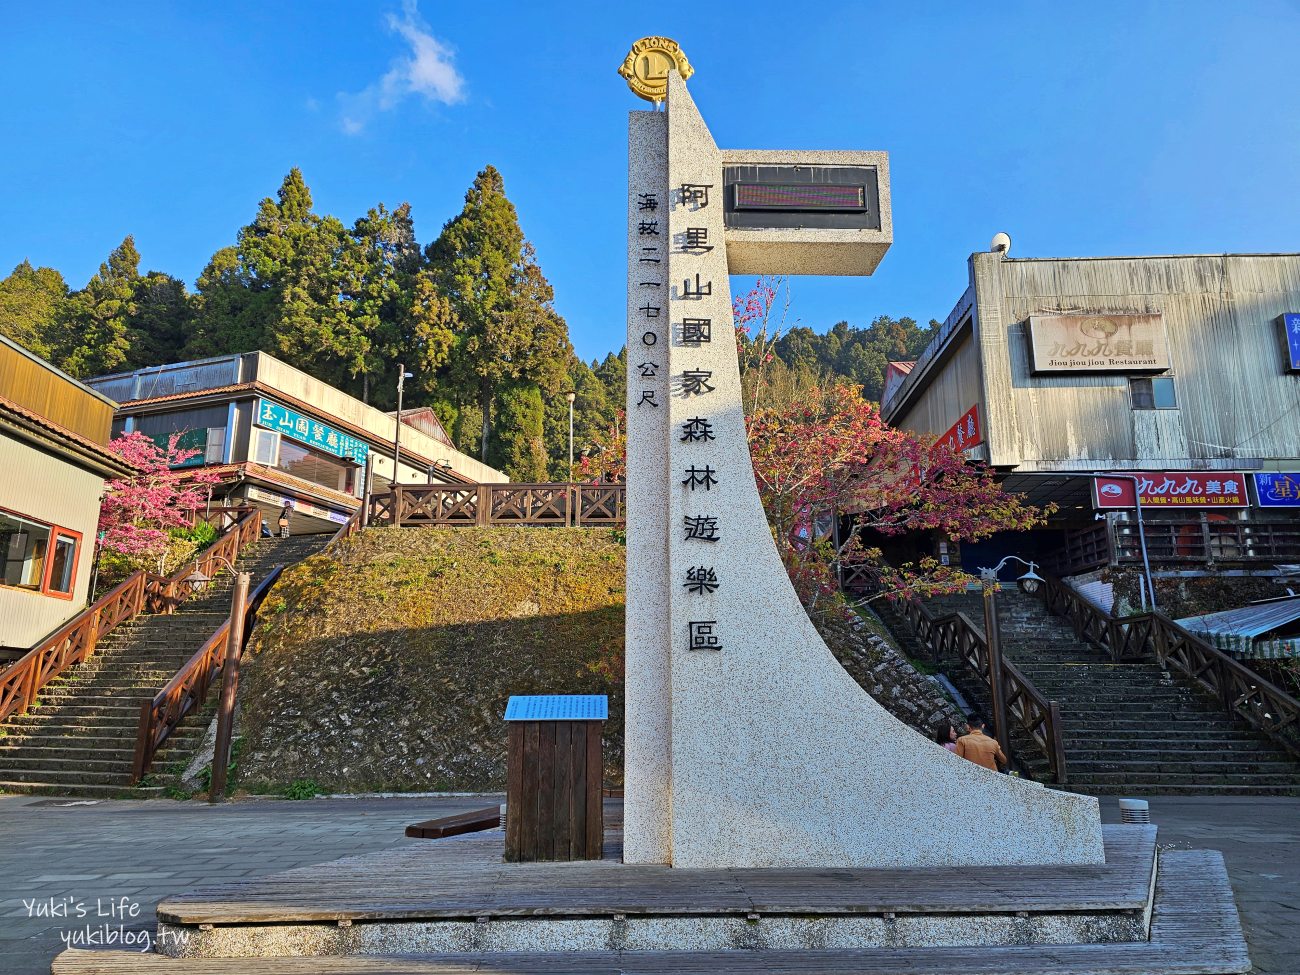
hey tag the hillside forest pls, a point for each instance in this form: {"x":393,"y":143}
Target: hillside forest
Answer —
{"x":470,"y":314}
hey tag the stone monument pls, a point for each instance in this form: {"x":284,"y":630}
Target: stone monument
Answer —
{"x":748,"y":745}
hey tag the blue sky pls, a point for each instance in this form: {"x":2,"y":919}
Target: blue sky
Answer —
{"x":1080,"y":129}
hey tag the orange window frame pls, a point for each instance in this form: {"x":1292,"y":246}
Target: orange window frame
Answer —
{"x":47,"y":572}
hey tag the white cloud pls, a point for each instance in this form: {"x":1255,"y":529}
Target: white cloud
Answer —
{"x":426,"y":70}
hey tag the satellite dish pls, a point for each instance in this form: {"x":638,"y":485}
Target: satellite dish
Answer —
{"x":1001,"y":244}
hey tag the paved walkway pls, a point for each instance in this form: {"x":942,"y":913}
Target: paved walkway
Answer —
{"x":114,"y":860}
{"x":1260,"y":841}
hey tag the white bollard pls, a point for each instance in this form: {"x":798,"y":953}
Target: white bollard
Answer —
{"x":1134,"y":811}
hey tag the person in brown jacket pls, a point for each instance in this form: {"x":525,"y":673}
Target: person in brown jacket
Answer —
{"x":979,"y":747}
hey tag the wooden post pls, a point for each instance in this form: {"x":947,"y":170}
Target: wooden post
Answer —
{"x":997,"y":689}
{"x":229,"y":685}
{"x":484,"y":511}
{"x":397,"y":506}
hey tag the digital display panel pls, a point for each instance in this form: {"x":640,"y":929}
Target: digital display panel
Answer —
{"x":823,"y":197}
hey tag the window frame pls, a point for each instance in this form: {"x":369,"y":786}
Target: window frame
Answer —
{"x":47,"y":571}
{"x":1150,"y":382}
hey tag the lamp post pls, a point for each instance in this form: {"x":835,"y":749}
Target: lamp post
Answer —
{"x":229,"y":671}
{"x":402,"y":377}
{"x":570,"y":396}
{"x":1029,"y":583}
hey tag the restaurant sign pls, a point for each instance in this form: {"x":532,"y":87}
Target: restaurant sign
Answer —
{"x":1173,"y":489}
{"x":966,"y":432}
{"x":1097,"y":343}
{"x":1291,"y":338}
{"x":313,"y":433}
{"x":1278,"y":490}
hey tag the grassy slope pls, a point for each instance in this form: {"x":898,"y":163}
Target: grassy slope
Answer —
{"x":389,"y":665}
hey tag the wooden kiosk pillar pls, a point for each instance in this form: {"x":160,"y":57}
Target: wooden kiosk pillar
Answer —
{"x":554,"y":774}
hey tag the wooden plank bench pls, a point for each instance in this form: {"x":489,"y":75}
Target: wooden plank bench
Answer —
{"x":469,"y":822}
{"x":1195,"y":931}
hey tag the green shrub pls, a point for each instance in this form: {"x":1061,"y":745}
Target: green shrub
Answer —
{"x":301,"y":789}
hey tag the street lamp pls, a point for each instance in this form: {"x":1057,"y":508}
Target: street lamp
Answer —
{"x":570,"y":396}
{"x":402,"y":377}
{"x":1028,"y":583}
{"x":229,"y":669}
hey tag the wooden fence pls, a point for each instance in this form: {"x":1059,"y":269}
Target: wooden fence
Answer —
{"x":188,"y":690}
{"x":1238,"y":689}
{"x":482,"y":505}
{"x":140,"y":592}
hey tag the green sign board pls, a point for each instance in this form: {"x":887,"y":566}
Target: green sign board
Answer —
{"x":313,"y":433}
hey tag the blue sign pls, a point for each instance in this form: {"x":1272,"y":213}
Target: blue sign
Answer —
{"x":1278,"y":490}
{"x":1291,"y":326}
{"x":313,"y":433}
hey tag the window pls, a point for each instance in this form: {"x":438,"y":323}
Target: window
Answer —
{"x":215,"y":450}
{"x":1155,"y":393}
{"x":37,"y":557}
{"x":63,"y":565}
{"x":318,"y":468}
{"x":266,"y":447}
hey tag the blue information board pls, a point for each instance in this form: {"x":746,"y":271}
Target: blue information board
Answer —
{"x":1291,"y":325}
{"x":304,"y":429}
{"x":1278,"y":490}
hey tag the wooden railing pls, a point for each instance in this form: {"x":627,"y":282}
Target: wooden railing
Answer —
{"x":1238,"y":689}
{"x":1210,"y":541}
{"x":953,"y":636}
{"x":188,"y":690}
{"x":1081,"y":549}
{"x":347,"y":529}
{"x":555,"y":505}
{"x":140,"y":592}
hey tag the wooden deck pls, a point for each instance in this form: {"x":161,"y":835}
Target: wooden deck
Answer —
{"x":1195,"y":931}
{"x":466,"y":879}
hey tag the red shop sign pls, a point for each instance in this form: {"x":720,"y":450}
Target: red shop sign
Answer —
{"x":965,"y":432}
{"x":1174,"y":489}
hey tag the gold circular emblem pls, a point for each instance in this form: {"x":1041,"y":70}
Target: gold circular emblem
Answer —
{"x":647,"y":65}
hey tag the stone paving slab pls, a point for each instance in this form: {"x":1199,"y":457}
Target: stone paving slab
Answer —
{"x":1260,"y":839}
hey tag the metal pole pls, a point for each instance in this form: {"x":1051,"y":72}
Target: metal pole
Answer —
{"x":397,"y":429}
{"x":367,"y":476}
{"x":229,"y":685}
{"x":570,"y":396}
{"x":1142,"y":534}
{"x":993,"y":639}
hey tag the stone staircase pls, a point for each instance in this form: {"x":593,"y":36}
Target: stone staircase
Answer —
{"x":81,"y":739}
{"x":1130,"y":729}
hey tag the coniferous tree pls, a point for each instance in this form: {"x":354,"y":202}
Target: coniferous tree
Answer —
{"x":30,"y":302}
{"x":507,"y":331}
{"x":518,"y":447}
{"x":93,"y":331}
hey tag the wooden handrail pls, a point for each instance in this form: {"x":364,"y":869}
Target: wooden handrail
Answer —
{"x":188,"y":690}
{"x":954,"y":635}
{"x":1239,"y":690}
{"x":348,"y":528}
{"x":140,"y":592}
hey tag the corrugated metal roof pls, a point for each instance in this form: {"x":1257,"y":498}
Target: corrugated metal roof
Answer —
{"x":1248,"y":621}
{"x":557,"y":707}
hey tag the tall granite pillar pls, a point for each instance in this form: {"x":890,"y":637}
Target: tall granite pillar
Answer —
{"x":748,"y":745}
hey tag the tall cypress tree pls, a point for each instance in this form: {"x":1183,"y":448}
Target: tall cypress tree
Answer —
{"x":507,"y":331}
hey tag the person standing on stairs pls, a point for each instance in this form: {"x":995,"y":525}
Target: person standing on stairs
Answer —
{"x":979,"y":747}
{"x":946,"y":735}
{"x":284,"y":519}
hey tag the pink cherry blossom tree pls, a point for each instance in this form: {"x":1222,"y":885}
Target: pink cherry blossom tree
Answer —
{"x":138,"y":510}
